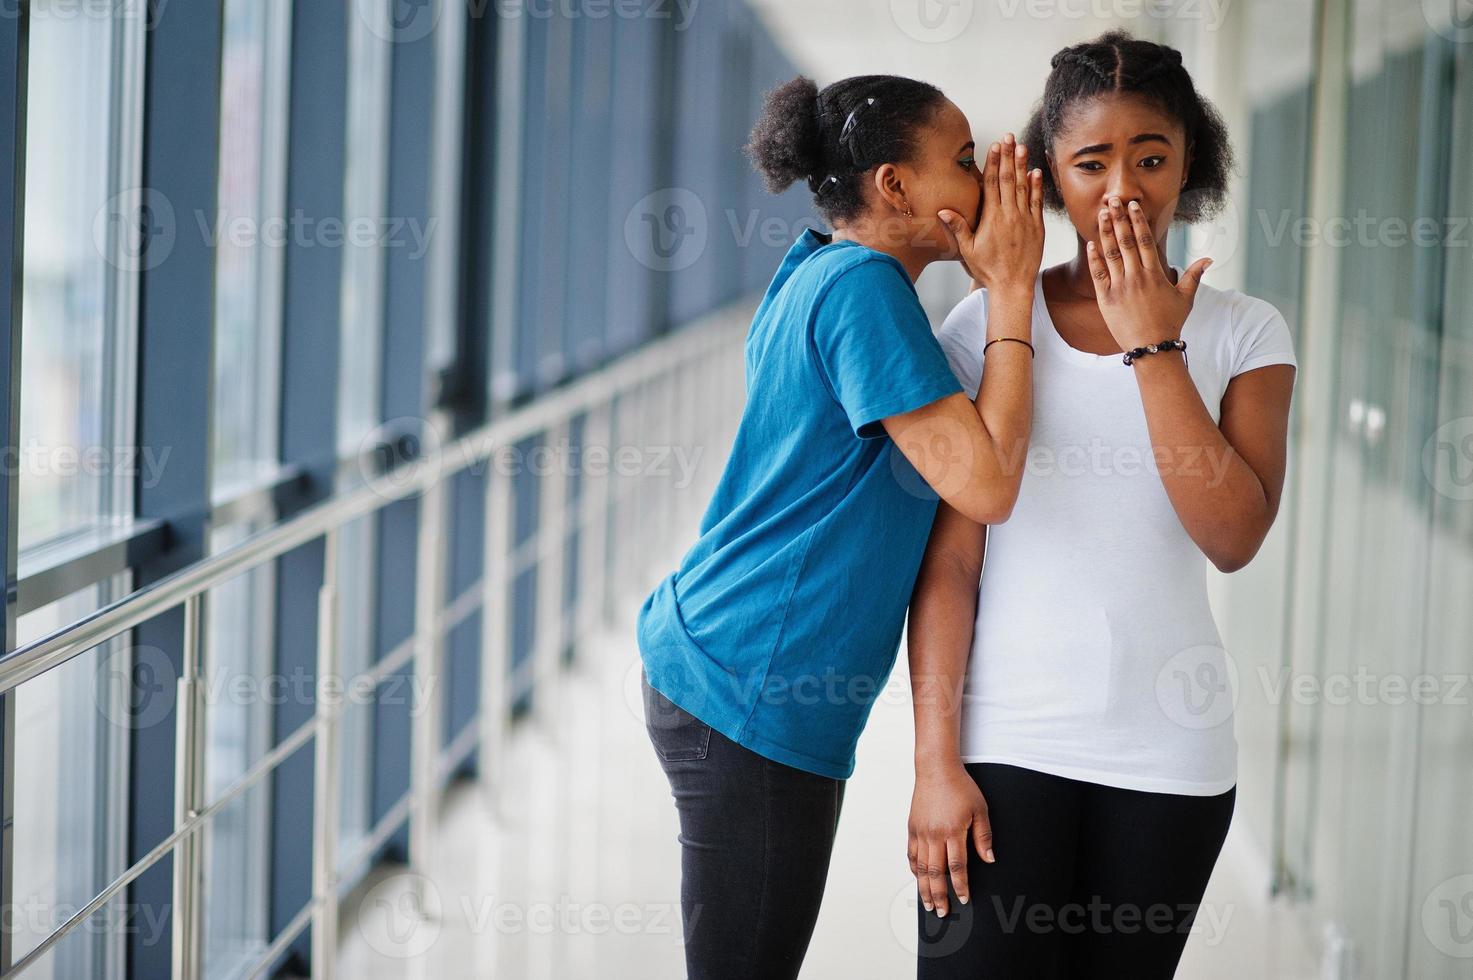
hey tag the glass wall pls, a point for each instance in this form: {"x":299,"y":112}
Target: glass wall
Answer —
{"x":250,"y":236}
{"x":71,"y":725}
{"x":576,"y":147}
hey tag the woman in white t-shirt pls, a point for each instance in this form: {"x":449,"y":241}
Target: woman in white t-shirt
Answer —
{"x":1075,"y":760}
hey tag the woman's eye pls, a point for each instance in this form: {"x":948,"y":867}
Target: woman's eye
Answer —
{"x":1092,"y":166}
{"x":968,"y":162}
{"x":1150,"y":163}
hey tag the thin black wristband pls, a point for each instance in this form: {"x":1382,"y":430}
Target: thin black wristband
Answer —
{"x":1020,"y":340}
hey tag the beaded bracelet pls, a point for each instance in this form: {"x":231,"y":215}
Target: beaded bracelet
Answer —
{"x":1180,"y":345}
{"x":1020,"y":340}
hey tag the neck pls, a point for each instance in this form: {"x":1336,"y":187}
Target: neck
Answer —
{"x":894,"y":238}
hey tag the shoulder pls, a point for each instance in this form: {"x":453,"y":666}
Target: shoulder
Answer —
{"x":1232,"y":309}
{"x":1251,"y":330}
{"x":852,"y":281}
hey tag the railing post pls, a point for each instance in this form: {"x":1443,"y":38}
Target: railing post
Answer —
{"x":325,"y":771}
{"x":425,"y":724}
{"x":495,"y":715}
{"x":593,"y":521}
{"x":189,"y":798}
{"x":552,"y":543}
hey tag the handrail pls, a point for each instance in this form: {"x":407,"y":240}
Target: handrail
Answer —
{"x":658,"y":361}
{"x":35,"y":658}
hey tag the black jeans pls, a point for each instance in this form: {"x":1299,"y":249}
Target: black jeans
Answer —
{"x":755,"y":839}
{"x":1089,"y":881}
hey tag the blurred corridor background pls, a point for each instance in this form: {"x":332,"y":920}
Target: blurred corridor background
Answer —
{"x":367,"y":361}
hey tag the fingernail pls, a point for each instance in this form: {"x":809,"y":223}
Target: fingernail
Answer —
{"x":1135,"y":205}
{"x":940,"y":914}
{"x":962,"y":898}
{"x":1114,"y":202}
{"x":990,"y":856}
{"x":928,"y":906}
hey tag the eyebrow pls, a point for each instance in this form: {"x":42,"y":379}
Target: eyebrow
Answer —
{"x":1140,"y":138}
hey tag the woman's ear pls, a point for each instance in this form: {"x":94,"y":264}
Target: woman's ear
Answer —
{"x":890,"y":188}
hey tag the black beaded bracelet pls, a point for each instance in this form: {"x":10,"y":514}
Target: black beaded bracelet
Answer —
{"x":1180,"y":345}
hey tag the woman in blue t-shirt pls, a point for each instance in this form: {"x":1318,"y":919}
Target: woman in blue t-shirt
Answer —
{"x":765,"y":649}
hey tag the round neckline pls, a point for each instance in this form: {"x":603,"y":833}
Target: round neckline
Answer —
{"x":1068,"y":350}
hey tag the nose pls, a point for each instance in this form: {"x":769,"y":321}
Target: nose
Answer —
{"x":1122,"y":184}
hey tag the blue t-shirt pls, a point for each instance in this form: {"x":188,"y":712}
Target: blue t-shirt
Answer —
{"x":781,"y":625}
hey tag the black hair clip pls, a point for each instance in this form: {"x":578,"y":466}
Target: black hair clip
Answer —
{"x":827,"y":184}
{"x":850,"y":122}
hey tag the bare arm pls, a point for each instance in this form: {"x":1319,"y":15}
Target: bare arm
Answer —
{"x":1223,"y":481}
{"x":947,"y":807}
{"x":971,"y":452}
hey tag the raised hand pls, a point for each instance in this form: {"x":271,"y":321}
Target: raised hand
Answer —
{"x":1006,"y":249}
{"x":1139,"y":303}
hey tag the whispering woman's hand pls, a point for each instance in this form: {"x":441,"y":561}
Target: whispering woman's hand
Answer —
{"x":1006,"y":249}
{"x":1139,"y":303}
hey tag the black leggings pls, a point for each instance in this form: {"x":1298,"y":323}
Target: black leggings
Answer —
{"x":755,"y":839}
{"x":1089,"y":881}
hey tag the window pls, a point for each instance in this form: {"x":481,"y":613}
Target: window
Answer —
{"x":249,"y":235}
{"x":364,"y":193}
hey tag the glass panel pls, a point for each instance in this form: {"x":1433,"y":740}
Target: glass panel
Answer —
{"x":365,"y":200}
{"x":356,"y":563}
{"x":248,"y":237}
{"x":239,"y":689}
{"x":364,"y":193}
{"x":71,"y":735}
{"x":65,"y":411}
{"x":1387,"y":342}
{"x":1441,"y":925}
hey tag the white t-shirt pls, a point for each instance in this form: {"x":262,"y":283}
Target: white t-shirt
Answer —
{"x":1095,"y":654}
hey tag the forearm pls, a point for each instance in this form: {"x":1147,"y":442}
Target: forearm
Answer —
{"x":1004,"y":401}
{"x":939,"y":641}
{"x":1222,"y":503}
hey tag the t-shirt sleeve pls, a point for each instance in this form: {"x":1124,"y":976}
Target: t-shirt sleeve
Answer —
{"x":875,"y":348}
{"x":1261,"y":337}
{"x":961,"y":338}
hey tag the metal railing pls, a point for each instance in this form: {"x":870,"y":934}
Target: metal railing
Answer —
{"x":682,"y":390}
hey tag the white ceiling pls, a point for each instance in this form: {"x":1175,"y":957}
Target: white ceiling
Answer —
{"x":989,"y":56}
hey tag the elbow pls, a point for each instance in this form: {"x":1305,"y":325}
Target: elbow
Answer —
{"x":1228,"y":565}
{"x":1231,"y":560}
{"x":991,"y":509}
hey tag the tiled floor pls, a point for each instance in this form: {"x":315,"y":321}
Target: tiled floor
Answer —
{"x":575,"y":874}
